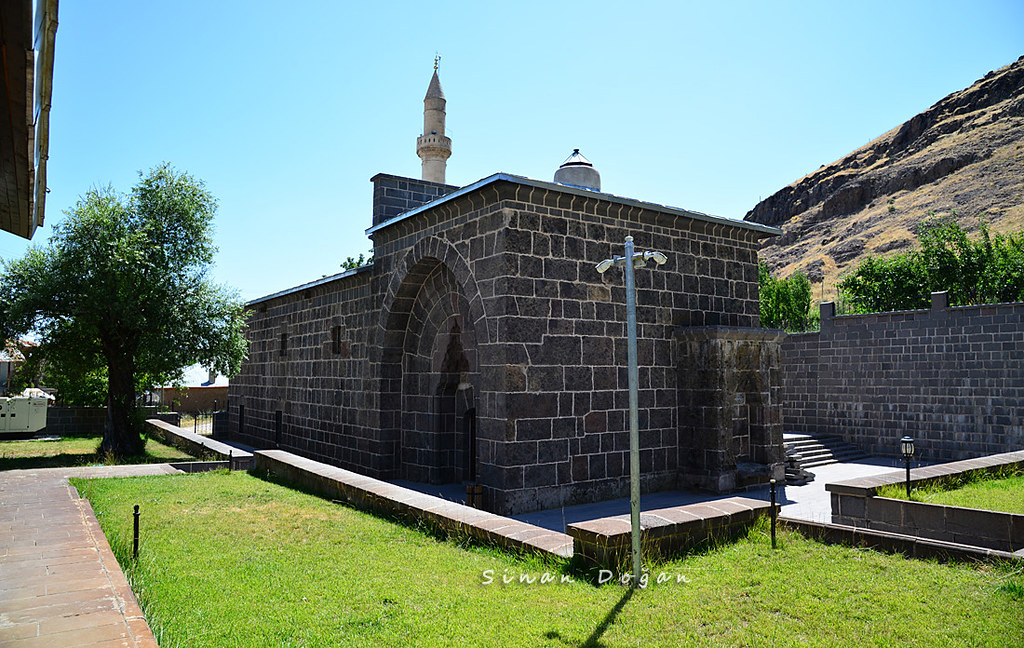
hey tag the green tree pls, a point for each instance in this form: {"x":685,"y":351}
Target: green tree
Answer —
{"x":785,"y":303}
{"x":880,"y":284}
{"x":122,"y":288}
{"x":351,"y":263}
{"x":985,"y":270}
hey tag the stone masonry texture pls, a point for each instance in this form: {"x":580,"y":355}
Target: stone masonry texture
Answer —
{"x":951,"y":378}
{"x":483,"y":346}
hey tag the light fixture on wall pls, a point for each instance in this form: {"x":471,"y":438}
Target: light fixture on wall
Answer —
{"x":907,"y":447}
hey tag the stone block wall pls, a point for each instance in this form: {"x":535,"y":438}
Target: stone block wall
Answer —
{"x":394,"y":195}
{"x":482,"y":345}
{"x":730,"y":405}
{"x":305,"y":385}
{"x":80,"y":421}
{"x":951,"y":378}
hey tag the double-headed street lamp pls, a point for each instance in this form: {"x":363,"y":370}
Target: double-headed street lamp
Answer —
{"x":636,"y":260}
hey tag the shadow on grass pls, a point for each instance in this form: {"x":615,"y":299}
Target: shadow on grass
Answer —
{"x":594,"y":640}
{"x":51,"y":461}
{"x":85,"y":453}
{"x":74,"y":460}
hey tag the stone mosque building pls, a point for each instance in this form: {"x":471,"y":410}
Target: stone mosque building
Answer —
{"x":482,"y":346}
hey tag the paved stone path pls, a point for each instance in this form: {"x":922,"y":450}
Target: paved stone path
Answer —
{"x":809,"y":502}
{"x":59,"y":582}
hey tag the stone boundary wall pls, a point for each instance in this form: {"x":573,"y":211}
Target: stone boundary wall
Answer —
{"x":368,"y":494}
{"x":855,"y":503}
{"x":608,"y":541}
{"x":198,"y":445}
{"x":951,"y":378}
{"x":80,"y":421}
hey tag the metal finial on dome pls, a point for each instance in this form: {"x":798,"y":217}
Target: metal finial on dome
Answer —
{"x":437,"y":59}
{"x":577,"y":159}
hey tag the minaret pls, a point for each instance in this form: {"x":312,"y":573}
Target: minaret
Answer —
{"x":432,"y":146}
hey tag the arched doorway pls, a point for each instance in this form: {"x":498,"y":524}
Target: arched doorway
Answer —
{"x":429,"y":372}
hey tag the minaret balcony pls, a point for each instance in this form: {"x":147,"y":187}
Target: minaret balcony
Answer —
{"x":433,"y":140}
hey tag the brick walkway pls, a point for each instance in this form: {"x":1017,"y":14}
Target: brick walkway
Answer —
{"x":59,"y":582}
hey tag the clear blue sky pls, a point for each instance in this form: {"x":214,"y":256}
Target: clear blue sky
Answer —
{"x":286,"y":110}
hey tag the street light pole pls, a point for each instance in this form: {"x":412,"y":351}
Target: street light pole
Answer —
{"x":634,"y":415}
{"x":630,"y":261}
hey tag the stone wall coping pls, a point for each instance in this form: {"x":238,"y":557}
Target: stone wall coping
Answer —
{"x":611,"y":530}
{"x":763,"y":230}
{"x":390,"y":176}
{"x":368,"y":493}
{"x":196,"y":443}
{"x":607,"y":540}
{"x":939,"y":304}
{"x":868,"y":486}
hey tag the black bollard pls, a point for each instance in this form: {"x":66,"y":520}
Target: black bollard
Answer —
{"x":774,"y":514}
{"x":135,"y":536}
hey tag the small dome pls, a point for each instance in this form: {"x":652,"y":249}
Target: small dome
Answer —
{"x":578,"y":171}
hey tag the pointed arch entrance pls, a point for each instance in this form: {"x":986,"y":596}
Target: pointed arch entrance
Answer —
{"x":430,"y":377}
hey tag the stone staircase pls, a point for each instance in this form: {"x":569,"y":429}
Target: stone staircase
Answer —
{"x":819,"y":450}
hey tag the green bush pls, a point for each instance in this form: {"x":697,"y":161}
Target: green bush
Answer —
{"x":987,"y":270}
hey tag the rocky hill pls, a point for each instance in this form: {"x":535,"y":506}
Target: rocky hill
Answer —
{"x":964,"y":154}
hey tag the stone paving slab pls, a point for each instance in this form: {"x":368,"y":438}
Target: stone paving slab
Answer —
{"x":60,"y":584}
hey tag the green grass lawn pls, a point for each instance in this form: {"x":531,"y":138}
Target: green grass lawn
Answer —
{"x":1003,"y":492}
{"x":231,"y":560}
{"x":76,"y":451}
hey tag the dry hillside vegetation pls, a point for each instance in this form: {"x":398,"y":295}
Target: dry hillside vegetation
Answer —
{"x":964,"y":154}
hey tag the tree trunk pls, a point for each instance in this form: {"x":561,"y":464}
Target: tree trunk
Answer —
{"x":121,"y":435}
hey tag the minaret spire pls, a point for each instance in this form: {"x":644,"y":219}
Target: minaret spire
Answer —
{"x":433,"y":147}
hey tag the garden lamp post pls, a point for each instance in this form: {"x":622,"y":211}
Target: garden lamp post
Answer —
{"x":907,"y":446}
{"x":629,"y":262}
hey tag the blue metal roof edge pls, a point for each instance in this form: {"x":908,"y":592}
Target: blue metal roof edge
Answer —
{"x":311,"y":284}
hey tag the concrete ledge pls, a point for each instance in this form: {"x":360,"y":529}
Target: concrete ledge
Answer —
{"x":198,"y":445}
{"x":868,"y":486}
{"x":366,"y":493}
{"x":607,"y":541}
{"x":912,"y":546}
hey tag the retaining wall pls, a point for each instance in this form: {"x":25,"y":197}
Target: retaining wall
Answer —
{"x":855,"y":503}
